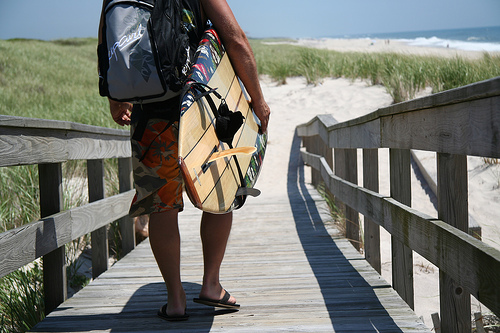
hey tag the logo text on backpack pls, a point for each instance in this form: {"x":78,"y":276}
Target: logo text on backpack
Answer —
{"x":126,"y":40}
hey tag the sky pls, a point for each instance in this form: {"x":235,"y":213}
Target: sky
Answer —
{"x":56,"y":19}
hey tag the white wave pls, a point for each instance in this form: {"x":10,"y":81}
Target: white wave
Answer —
{"x":453,"y":44}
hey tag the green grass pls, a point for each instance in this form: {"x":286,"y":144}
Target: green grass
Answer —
{"x":21,"y":299}
{"x":52,"y":80}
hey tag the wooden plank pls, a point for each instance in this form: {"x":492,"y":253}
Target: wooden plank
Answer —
{"x":475,"y":91}
{"x":455,"y":302}
{"x":470,"y":262}
{"x":126,"y":223}
{"x":99,"y":237}
{"x":54,"y":262}
{"x":468,"y":129}
{"x":36,"y":239}
{"x":32,"y":145}
{"x":47,"y":124}
{"x":402,"y":256}
{"x":371,"y":229}
{"x":340,"y":171}
{"x":99,"y":213}
{"x":364,"y":135}
{"x":351,"y":215}
{"x":313,"y":145}
{"x":305,"y":281}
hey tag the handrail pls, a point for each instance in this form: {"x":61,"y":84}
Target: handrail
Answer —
{"x":32,"y":241}
{"x":462,"y":112}
{"x":26,"y":141}
{"x":49,"y":143}
{"x":455,"y":123}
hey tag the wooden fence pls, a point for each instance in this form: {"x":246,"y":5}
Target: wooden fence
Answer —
{"x":454,"y":124}
{"x":46,"y":143}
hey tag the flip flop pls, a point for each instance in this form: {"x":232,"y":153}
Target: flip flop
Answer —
{"x":162,"y":313}
{"x":222,"y":303}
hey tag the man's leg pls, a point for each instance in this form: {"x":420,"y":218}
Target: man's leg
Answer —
{"x":214,"y":230}
{"x":166,"y":245}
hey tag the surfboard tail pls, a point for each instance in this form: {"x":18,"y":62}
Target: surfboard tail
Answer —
{"x":189,"y":185}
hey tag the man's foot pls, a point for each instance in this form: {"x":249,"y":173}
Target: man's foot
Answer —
{"x":224,"y":302}
{"x":162,"y":313}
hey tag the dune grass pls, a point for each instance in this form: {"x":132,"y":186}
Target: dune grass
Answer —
{"x":402,"y":75}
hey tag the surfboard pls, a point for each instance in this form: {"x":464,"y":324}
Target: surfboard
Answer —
{"x":218,"y":176}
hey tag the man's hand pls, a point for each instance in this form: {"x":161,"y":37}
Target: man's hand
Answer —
{"x":262,"y":111}
{"x":120,"y":111}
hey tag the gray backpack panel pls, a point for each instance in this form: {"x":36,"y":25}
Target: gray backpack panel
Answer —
{"x":132,"y":72}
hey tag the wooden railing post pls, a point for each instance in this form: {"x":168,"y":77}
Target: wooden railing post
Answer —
{"x":371,"y":229}
{"x":315,"y":145}
{"x":402,"y":256}
{"x":455,"y":303}
{"x":346,"y":167}
{"x":126,"y":223}
{"x":352,"y":216}
{"x":327,"y":153}
{"x":54,"y":263}
{"x":311,"y":145}
{"x":99,"y":237}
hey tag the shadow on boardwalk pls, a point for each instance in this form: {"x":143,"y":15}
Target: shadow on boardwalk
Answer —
{"x":138,"y":315}
{"x":350,"y":300}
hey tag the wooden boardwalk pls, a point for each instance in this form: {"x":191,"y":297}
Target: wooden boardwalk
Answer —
{"x":286,"y":268}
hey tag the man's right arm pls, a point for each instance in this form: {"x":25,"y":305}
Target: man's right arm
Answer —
{"x":240,"y":52}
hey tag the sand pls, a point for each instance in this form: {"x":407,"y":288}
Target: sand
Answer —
{"x":296,"y":103}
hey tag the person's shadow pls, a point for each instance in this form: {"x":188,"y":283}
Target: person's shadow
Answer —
{"x":350,"y":300}
{"x":139,"y":314}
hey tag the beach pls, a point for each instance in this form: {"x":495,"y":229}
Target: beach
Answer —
{"x":296,"y":102}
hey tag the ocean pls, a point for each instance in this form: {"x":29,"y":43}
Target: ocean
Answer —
{"x":470,"y":39}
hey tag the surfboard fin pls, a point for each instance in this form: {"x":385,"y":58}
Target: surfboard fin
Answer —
{"x":231,"y":152}
{"x":248,"y":191}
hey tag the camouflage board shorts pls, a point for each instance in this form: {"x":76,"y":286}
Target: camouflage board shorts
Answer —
{"x":157,"y":178}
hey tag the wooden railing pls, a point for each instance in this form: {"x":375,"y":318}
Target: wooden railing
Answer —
{"x":46,"y":143}
{"x":454,"y":124}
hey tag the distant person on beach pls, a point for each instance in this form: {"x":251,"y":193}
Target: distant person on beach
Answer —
{"x":157,"y":177}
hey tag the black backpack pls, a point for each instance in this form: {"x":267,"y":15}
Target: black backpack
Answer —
{"x":144,"y":54}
